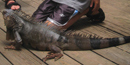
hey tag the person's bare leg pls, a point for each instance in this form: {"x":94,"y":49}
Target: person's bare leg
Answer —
{"x":74,"y":19}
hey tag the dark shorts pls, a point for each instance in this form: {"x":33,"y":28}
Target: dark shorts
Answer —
{"x":56,"y":13}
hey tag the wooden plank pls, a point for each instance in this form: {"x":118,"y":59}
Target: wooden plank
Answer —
{"x":18,"y":57}
{"x":116,"y":27}
{"x":88,"y":58}
{"x":101,"y":31}
{"x":2,"y":26}
{"x":1,"y":5}
{"x":115,"y":15}
{"x":31,"y":3}
{"x":116,"y":55}
{"x":38,"y":1}
{"x":26,"y":7}
{"x":3,"y":61}
{"x":2,"y":22}
{"x":107,"y":26}
{"x":125,"y":47}
{"x":119,"y":4}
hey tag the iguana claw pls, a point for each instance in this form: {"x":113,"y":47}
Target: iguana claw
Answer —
{"x":53,"y":55}
{"x":10,"y":47}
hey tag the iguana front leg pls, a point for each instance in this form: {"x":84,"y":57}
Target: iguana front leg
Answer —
{"x":54,"y":53}
{"x":17,"y":44}
{"x":10,"y":47}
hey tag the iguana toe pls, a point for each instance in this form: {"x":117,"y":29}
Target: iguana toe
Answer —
{"x":56,"y":56}
{"x":10,"y":47}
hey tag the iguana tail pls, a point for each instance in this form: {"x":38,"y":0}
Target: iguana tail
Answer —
{"x":89,"y":43}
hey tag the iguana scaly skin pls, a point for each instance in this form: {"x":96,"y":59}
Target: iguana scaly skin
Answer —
{"x":41,"y":37}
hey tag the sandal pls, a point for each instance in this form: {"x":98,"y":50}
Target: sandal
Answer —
{"x":11,"y":4}
{"x":98,"y":18}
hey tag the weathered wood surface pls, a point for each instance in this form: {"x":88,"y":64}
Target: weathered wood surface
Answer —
{"x":3,"y":60}
{"x":116,"y":24}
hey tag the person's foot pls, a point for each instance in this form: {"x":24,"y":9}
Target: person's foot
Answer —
{"x":11,"y":4}
{"x":96,"y":17}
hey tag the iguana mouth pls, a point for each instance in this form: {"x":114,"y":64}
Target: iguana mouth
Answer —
{"x":6,"y":12}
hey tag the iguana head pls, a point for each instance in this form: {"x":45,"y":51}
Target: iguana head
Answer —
{"x":8,"y":20}
{"x":11,"y":19}
{"x":12,"y":23}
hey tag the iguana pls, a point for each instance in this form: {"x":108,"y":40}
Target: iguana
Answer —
{"x":41,"y":37}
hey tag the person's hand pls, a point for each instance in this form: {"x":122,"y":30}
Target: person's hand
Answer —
{"x":96,"y":4}
{"x":13,"y":7}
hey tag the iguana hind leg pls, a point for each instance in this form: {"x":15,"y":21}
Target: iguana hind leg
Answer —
{"x":54,"y":53}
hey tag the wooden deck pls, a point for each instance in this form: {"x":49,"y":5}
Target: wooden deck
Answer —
{"x":116,"y":24}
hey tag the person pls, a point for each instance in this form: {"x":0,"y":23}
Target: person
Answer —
{"x":63,"y":13}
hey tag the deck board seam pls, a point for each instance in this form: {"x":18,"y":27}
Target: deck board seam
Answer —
{"x":6,"y":58}
{"x":35,"y":55}
{"x":73,"y":58}
{"x":104,"y":57}
{"x":2,"y":30}
{"x":122,"y":50}
{"x":28,"y":4}
{"x":111,"y":30}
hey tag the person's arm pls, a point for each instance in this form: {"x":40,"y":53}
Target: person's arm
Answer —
{"x":96,"y":4}
{"x":12,"y":4}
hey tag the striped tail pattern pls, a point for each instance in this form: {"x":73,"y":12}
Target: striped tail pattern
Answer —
{"x":91,"y":43}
